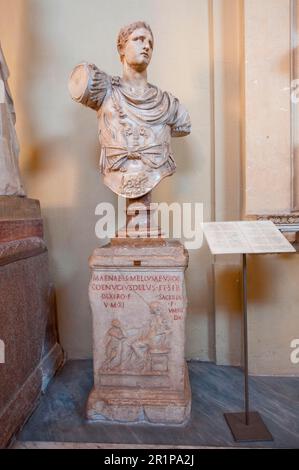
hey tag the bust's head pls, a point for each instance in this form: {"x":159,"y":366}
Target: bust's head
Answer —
{"x":135,"y":45}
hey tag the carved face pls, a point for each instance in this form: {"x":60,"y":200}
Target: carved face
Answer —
{"x":138,"y":49}
{"x":155,"y":308}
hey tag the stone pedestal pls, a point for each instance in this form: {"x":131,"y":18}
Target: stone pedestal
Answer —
{"x":28,"y":330}
{"x":141,"y":220}
{"x":138,"y":301}
{"x":20,"y":218}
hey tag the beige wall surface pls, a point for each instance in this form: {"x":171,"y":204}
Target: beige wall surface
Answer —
{"x":199,"y":57}
{"x":43,"y":40}
{"x":273,"y":293}
{"x":273,"y":314}
{"x":267,"y":64}
{"x":226,"y":30}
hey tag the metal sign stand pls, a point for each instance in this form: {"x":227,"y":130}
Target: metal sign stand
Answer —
{"x":248,"y":425}
{"x":241,"y":237}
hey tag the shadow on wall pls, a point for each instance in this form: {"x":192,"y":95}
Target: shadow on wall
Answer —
{"x":61,"y":171}
{"x":264,"y":279}
{"x":60,"y":150}
{"x":229,"y":307}
{"x":232,"y":118}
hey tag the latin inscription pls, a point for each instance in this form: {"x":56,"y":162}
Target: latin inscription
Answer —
{"x":117,"y":290}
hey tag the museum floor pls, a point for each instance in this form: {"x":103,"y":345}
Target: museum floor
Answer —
{"x":215,"y":390}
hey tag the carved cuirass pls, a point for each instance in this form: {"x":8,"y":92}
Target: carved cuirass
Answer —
{"x":134,"y":131}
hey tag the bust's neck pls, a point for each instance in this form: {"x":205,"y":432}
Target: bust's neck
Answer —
{"x":134,"y":79}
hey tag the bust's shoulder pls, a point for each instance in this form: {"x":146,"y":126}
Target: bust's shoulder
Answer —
{"x":88,"y":84}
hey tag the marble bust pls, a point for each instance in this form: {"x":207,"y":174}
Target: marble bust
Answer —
{"x":136,"y":119}
{"x":10,"y":180}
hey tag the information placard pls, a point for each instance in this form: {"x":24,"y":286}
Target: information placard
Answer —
{"x":245,"y":237}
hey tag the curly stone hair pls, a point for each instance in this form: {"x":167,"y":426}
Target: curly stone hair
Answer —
{"x":126,"y":31}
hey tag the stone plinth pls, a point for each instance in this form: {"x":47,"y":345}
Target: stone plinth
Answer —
{"x":30,"y":352}
{"x":20,"y":218}
{"x":138,"y":302}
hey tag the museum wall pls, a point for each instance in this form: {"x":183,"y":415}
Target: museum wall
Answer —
{"x":252,"y":176}
{"x":59,"y":149}
{"x":199,"y":57}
